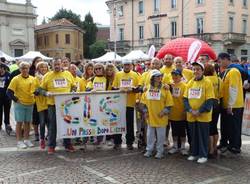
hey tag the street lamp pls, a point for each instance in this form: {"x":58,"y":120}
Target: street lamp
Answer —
{"x":114,"y":17}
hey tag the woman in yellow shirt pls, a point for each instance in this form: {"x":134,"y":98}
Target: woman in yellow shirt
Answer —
{"x":98,"y":83}
{"x":110,"y":72}
{"x":210,"y":74}
{"x":42,"y":108}
{"x":21,"y":91}
{"x":88,"y":73}
{"x":198,"y":103}
{"x":157,"y":101}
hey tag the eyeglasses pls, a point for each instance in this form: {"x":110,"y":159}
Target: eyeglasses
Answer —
{"x":168,"y":58}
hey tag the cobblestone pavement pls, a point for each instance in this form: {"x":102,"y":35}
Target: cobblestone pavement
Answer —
{"x":109,"y":166}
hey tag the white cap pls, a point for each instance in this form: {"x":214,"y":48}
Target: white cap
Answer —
{"x":126,"y":61}
{"x":200,"y":64}
{"x":155,"y":73}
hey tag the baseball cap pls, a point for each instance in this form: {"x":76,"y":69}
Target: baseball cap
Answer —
{"x":155,"y":73}
{"x":177,"y":72}
{"x":126,"y":61}
{"x":199,"y":63}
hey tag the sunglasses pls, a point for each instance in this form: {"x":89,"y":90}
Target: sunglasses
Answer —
{"x":98,"y":68}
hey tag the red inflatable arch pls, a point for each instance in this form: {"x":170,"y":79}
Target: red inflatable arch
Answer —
{"x":188,"y":48}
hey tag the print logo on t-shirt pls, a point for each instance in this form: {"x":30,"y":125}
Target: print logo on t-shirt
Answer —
{"x":126,"y":83}
{"x":60,"y":83}
{"x":154,"y":95}
{"x":99,"y":86}
{"x":194,"y":93}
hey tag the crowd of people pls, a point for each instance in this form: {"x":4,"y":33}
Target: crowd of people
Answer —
{"x":187,"y":98}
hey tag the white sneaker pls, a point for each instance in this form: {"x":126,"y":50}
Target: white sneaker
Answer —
{"x":21,"y":145}
{"x":192,"y":158}
{"x":159,"y":156}
{"x":202,"y":160}
{"x":28,"y":143}
{"x":173,"y":150}
{"x":184,"y":152}
{"x":148,"y":154}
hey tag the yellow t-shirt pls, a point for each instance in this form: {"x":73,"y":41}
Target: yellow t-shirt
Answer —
{"x":126,"y":80}
{"x":98,"y":84}
{"x":41,"y":101}
{"x":177,"y":111}
{"x":197,"y":93}
{"x":167,"y":70}
{"x":232,"y":81}
{"x":217,"y":84}
{"x":80,"y":83}
{"x":57,"y":82}
{"x":23,"y":89}
{"x":144,"y":78}
{"x":156,"y":100}
{"x":187,"y":75}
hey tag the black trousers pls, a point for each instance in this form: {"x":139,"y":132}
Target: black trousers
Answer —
{"x":5,"y":104}
{"x":130,"y":137}
{"x":231,"y":126}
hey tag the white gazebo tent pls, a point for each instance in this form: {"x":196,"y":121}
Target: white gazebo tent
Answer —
{"x":7,"y":57}
{"x":29,"y":56}
{"x":136,"y":55}
{"x":109,"y":56}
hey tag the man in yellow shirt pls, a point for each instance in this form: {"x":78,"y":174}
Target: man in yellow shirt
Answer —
{"x":187,"y":74}
{"x":127,"y":81}
{"x":233,"y":103}
{"x":21,"y":91}
{"x":56,"y":81}
{"x":168,"y":64}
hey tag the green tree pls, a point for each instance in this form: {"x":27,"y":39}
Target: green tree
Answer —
{"x":97,"y":49}
{"x":69,"y":15}
{"x":90,"y":29}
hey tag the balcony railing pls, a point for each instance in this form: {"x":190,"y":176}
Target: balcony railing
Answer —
{"x":236,"y":38}
{"x":125,"y":44}
{"x":155,"y":41}
{"x":207,"y":37}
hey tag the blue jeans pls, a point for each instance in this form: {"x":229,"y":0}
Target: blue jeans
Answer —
{"x":43,"y":119}
{"x":53,"y":129}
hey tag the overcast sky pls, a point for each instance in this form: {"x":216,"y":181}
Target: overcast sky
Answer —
{"x":47,"y":8}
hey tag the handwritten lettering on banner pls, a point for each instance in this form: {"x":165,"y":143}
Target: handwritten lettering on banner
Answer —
{"x":246,"y":116}
{"x":90,"y":114}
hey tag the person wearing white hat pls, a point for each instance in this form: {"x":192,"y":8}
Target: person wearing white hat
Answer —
{"x":127,"y":80}
{"x":198,"y":102}
{"x":157,"y":103}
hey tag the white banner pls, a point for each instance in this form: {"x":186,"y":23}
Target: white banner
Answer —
{"x":90,"y":114}
{"x":246,"y":116}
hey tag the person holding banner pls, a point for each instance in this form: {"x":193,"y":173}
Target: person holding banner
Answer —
{"x":127,"y":80}
{"x":41,"y":102}
{"x":198,"y":103}
{"x":88,"y":72}
{"x":232,"y":104}
{"x":157,"y":103}
{"x":21,"y":91}
{"x":56,"y":81}
{"x":81,"y":86}
{"x":98,"y":83}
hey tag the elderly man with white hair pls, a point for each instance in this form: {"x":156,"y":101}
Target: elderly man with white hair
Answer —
{"x":21,"y":91}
